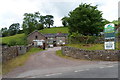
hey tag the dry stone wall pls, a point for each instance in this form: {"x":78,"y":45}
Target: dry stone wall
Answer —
{"x":106,"y":55}
{"x":9,"y":53}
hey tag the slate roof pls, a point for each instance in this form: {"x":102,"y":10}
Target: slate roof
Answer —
{"x":56,"y":35}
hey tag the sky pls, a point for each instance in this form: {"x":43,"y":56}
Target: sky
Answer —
{"x":12,"y":11}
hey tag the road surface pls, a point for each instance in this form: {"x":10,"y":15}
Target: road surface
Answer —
{"x":46,"y":64}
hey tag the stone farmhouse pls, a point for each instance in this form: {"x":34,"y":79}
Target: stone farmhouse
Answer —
{"x":50,"y":40}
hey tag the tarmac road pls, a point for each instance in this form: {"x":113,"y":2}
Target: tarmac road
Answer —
{"x":46,"y":64}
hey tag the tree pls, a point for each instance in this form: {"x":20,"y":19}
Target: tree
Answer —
{"x":39,"y":26}
{"x":65,"y":21}
{"x":14,"y":29}
{"x":116,"y":22}
{"x":42,"y":19}
{"x":48,"y":20}
{"x":103,"y":23}
{"x":4,"y":32}
{"x":30,"y":22}
{"x":85,"y":20}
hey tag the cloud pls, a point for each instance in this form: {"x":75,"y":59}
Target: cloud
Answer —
{"x":11,"y":11}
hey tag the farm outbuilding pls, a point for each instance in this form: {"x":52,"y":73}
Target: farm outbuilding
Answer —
{"x":50,"y":40}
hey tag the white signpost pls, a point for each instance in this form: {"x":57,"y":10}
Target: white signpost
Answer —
{"x":109,"y":33}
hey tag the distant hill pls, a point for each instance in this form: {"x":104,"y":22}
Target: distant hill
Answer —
{"x":19,"y":39}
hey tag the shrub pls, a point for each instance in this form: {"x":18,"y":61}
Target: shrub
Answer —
{"x":12,"y":42}
{"x":79,"y":38}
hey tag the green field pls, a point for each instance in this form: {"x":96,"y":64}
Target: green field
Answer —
{"x":19,"y":39}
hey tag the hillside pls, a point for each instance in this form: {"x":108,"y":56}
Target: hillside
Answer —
{"x":19,"y":39}
{"x":55,"y":30}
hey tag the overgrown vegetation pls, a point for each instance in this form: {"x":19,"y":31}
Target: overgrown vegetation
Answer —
{"x":79,"y":38}
{"x":18,"y":61}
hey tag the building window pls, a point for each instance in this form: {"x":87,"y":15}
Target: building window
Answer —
{"x":36,"y":37}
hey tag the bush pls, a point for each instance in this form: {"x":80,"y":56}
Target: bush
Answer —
{"x":92,"y":39}
{"x":12,"y":42}
{"x":79,"y":38}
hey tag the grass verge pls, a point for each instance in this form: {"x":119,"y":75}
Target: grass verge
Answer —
{"x":18,"y":61}
{"x":59,"y":53}
{"x":90,"y":46}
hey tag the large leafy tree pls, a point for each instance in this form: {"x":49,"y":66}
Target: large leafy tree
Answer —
{"x":48,"y":20}
{"x":30,"y":22}
{"x":85,"y":20}
{"x":14,"y":29}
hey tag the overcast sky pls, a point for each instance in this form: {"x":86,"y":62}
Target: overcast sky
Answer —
{"x":12,"y":11}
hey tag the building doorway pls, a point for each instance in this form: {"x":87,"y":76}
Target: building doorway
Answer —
{"x":54,"y":43}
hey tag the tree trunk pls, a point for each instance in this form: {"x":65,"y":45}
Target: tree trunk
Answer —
{"x":48,"y":25}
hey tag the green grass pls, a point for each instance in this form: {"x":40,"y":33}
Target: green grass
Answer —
{"x":18,"y":61}
{"x":59,"y":53}
{"x":18,"y":39}
{"x":55,"y":30}
{"x":89,"y":46}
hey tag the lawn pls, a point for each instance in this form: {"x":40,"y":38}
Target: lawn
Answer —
{"x":55,"y":30}
{"x":18,"y":61}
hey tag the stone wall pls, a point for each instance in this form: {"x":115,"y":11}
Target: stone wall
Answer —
{"x":77,"y":53}
{"x":9,"y":53}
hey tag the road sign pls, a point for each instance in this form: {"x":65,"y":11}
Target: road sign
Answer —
{"x":109,"y":31}
{"x":109,"y":34}
{"x":109,"y":45}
